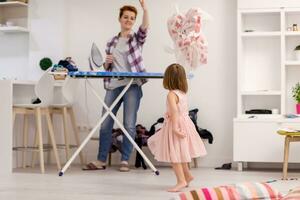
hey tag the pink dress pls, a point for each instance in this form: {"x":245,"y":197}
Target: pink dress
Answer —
{"x":166,"y":146}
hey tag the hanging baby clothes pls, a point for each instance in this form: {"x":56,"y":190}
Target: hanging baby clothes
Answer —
{"x":189,"y":41}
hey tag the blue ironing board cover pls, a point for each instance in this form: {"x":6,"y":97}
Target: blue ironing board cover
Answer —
{"x":92,"y":74}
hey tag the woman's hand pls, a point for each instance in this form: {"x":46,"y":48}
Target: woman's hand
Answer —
{"x":143,"y":4}
{"x":109,"y":58}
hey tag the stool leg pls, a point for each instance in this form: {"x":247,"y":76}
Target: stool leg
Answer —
{"x":25,"y":140}
{"x":49,"y":139}
{"x":76,"y":135}
{"x":66,"y":133}
{"x":39,"y":131}
{"x":51,"y":134}
{"x":36,"y":143}
{"x":15,"y":138}
{"x":195,"y":162}
{"x":286,"y":157}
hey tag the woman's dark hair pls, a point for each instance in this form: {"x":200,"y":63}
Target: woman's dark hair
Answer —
{"x":127,"y":8}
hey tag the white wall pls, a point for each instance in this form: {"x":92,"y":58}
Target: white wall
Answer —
{"x":13,"y":56}
{"x":47,"y":33}
{"x":213,"y":90}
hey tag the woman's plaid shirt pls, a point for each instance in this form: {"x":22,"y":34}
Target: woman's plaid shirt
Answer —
{"x":134,"y":55}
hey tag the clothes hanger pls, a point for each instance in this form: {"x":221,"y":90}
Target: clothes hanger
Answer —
{"x":206,"y":16}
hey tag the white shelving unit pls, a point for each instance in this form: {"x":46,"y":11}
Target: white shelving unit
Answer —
{"x":13,"y":29}
{"x":13,"y":4}
{"x":261,"y":34}
{"x":267,"y":71}
{"x":292,"y":33}
{"x":292,"y":63}
{"x":263,"y":92}
{"x":16,"y":13}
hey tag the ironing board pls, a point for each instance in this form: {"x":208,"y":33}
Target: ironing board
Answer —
{"x":92,"y":74}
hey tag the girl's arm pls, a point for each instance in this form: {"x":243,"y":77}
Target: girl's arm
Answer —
{"x":145,"y":23}
{"x":174,"y":115}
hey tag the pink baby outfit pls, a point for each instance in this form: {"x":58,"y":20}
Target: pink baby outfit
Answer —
{"x":167,"y":146}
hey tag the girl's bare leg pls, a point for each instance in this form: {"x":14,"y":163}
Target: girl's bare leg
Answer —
{"x":181,"y":182}
{"x":187,"y":173}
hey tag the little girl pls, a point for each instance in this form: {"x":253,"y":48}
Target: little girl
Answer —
{"x":177,"y":142}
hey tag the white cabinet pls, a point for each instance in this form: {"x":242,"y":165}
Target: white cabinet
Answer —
{"x":258,"y":141}
{"x":13,"y":17}
{"x":6,"y":126}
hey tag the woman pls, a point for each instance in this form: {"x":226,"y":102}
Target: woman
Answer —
{"x":123,"y":54}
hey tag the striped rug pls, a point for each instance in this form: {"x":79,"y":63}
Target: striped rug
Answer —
{"x":241,"y":191}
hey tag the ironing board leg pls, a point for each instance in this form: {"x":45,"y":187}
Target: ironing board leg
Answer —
{"x":123,"y":129}
{"x":90,"y":135}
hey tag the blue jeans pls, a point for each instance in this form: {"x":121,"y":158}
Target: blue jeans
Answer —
{"x":131,"y":103}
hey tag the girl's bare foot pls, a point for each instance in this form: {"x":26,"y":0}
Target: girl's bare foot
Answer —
{"x":177,"y":187}
{"x":188,"y":180}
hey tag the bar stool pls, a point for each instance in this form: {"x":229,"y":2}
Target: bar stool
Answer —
{"x":65,"y":109}
{"x":289,"y":137}
{"x":44,"y":91}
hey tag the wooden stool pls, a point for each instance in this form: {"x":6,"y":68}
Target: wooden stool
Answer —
{"x":37,"y":111}
{"x":44,"y":91}
{"x":289,"y":137}
{"x":64,"y":107}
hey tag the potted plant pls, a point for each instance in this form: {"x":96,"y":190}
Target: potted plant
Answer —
{"x":45,"y":63}
{"x":296,"y":96}
{"x":297,"y":52}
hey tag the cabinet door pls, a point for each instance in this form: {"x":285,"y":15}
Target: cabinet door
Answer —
{"x":257,"y":142}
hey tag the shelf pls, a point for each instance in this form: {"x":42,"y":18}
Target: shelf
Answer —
{"x":292,"y":33}
{"x":260,"y":34}
{"x":13,"y":4}
{"x":260,"y":11}
{"x":291,"y":120}
{"x":31,"y":82}
{"x":292,"y":10}
{"x":13,"y":29}
{"x":259,"y":117}
{"x":24,"y":82}
{"x":262,"y":92}
{"x":292,"y":63}
{"x":266,"y":118}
